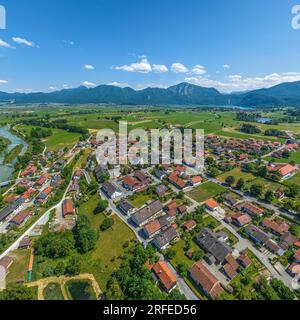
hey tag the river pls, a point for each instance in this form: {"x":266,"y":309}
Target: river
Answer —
{"x":7,"y":170}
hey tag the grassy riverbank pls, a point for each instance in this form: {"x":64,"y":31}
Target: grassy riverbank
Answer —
{"x":3,"y":143}
{"x":12,"y":154}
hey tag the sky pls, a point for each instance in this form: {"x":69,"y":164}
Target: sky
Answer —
{"x":232,"y":45}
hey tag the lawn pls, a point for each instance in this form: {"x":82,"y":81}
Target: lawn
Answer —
{"x":105,"y":259}
{"x":53,"y":292}
{"x":294,"y":180}
{"x":140,"y":199}
{"x":59,"y":138}
{"x":205,"y":191}
{"x":18,"y":270}
{"x":295,"y":156}
{"x":250,"y":179}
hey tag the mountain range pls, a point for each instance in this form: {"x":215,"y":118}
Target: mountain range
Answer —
{"x":285,"y":94}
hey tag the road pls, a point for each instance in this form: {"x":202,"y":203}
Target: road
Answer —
{"x":244,"y":244}
{"x":183,"y":287}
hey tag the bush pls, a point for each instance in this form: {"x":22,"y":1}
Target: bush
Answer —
{"x":107,"y":223}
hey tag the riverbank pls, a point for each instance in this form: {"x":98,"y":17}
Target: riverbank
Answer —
{"x":4,"y":143}
{"x":13,"y":154}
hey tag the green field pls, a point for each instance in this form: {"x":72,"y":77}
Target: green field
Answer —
{"x":53,"y":292}
{"x":105,"y":259}
{"x":205,"y":191}
{"x":18,"y":270}
{"x":12,"y":154}
{"x":58,"y":140}
{"x":295,"y":156}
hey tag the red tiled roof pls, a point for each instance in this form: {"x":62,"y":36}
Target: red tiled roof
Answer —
{"x":278,"y":227}
{"x":206,"y":279}
{"x":297,"y":255}
{"x":153,"y":227}
{"x":165,"y":275}
{"x":68,"y":207}
{"x":211,"y":203}
{"x":189,"y":225}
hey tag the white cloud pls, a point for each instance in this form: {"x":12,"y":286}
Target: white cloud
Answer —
{"x":238,"y":83}
{"x":4,"y":44}
{"x":142,"y":67}
{"x":119,"y":84}
{"x":226,"y":66}
{"x":3,"y":81}
{"x":198,"y":69}
{"x":24,"y":42}
{"x":88,"y":84}
{"x":159,"y":68}
{"x":53,"y":88}
{"x":24,"y":90}
{"x":89,"y":67}
{"x":179,"y":68}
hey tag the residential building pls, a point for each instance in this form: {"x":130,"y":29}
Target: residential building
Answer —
{"x":211,"y":205}
{"x":126,"y":207}
{"x":164,"y":274}
{"x":147,"y":213}
{"x":111,"y":190}
{"x":205,"y":280}
{"x":68,"y":208}
{"x":163,"y":240}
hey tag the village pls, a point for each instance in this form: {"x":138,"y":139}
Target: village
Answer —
{"x":206,"y":231}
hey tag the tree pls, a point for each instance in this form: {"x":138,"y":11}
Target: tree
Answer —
{"x":240,"y":184}
{"x":55,"y":245}
{"x":74,"y":266}
{"x":114,"y":291}
{"x":101,"y":207}
{"x":262,"y":171}
{"x":294,"y":190}
{"x":176,"y":295}
{"x":85,"y":236}
{"x":230,"y":180}
{"x":256,"y":190}
{"x":171,"y":253}
{"x":18,"y":292}
{"x":198,"y":255}
{"x":60,"y":269}
{"x":282,"y":290}
{"x":286,"y":154}
{"x":107,"y":223}
{"x":269,"y":196}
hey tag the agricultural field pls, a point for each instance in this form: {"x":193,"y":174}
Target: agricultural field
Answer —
{"x":205,"y":191}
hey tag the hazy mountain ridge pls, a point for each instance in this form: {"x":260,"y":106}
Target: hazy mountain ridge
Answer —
{"x":285,"y":94}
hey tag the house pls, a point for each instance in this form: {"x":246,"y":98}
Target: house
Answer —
{"x":278,"y":228}
{"x":230,"y":200}
{"x":7,"y":211}
{"x":178,"y":182}
{"x":68,"y":208}
{"x":166,"y":277}
{"x":142,"y":177}
{"x":196,"y":181}
{"x":273,"y":247}
{"x":297,"y":256}
{"x":211,"y":205}
{"x":160,"y":174}
{"x":293,"y":269}
{"x":126,"y":207}
{"x":132,"y":184}
{"x":100,"y":171}
{"x":41,"y":181}
{"x":19,"y":219}
{"x":240,"y":220}
{"x":111,"y":190}
{"x":45,"y":194}
{"x":163,"y":240}
{"x":147,"y":213}
{"x":24,"y":243}
{"x":6,"y":262}
{"x":244,"y":261}
{"x":205,"y":280}
{"x":284,"y":171}
{"x":189,"y":225}
{"x":230,"y":267}
{"x":161,"y":190}
{"x":154,"y":227}
{"x":250,"y":208}
{"x":287,"y":240}
{"x":209,"y":241}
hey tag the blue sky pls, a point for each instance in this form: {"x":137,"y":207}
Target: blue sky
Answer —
{"x":232,"y":45}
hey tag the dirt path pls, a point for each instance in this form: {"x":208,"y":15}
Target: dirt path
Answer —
{"x":43,"y":283}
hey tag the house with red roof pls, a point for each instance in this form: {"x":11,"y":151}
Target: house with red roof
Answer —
{"x":211,"y":204}
{"x":165,"y":276}
{"x":284,"y":171}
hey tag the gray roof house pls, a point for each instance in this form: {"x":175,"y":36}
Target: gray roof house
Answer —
{"x":147,"y":213}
